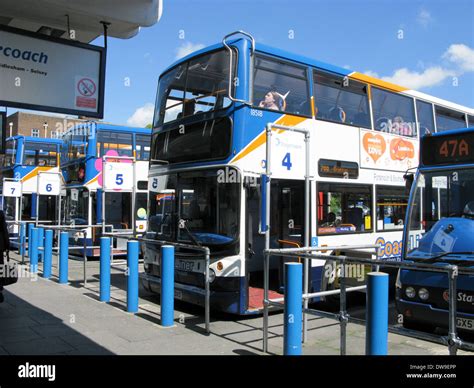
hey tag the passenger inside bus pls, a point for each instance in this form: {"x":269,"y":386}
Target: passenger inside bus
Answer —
{"x":336,"y":113}
{"x":273,"y":100}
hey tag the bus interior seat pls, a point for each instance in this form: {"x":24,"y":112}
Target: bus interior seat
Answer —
{"x":355,"y":217}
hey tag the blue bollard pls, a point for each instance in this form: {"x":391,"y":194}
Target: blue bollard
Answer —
{"x":33,"y":247}
{"x":48,"y":254}
{"x":132,"y":280}
{"x":40,"y":244}
{"x":63,"y":257}
{"x":293,"y":310}
{"x":376,"y":335}
{"x":167,"y":285}
{"x":22,"y":239}
{"x":105,"y":269}
{"x":30,"y":228}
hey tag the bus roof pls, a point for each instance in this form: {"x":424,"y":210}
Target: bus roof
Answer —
{"x":32,"y":139}
{"x":112,"y":127}
{"x":333,"y":69}
{"x":451,"y":132}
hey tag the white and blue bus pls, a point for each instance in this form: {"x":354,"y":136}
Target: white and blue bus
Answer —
{"x":84,"y":147}
{"x":440,"y":230}
{"x":208,"y":152}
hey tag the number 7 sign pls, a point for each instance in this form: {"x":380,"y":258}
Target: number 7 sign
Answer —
{"x":12,"y":189}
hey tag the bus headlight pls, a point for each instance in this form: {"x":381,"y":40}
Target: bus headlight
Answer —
{"x":212,"y":275}
{"x":410,"y":292}
{"x":423,"y":294}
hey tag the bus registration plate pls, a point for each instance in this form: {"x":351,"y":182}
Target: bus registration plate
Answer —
{"x":184,"y":265}
{"x":466,"y":324}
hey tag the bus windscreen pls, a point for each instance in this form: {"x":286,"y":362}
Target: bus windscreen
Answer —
{"x":449,"y":149}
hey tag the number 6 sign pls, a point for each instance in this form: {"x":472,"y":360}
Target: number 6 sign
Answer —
{"x":49,"y":184}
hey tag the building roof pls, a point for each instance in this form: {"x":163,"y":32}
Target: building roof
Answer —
{"x":85,"y":16}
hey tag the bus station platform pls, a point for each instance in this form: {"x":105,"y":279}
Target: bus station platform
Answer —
{"x":43,"y":317}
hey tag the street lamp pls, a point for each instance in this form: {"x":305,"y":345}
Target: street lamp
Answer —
{"x":11,"y":128}
{"x":45,"y":126}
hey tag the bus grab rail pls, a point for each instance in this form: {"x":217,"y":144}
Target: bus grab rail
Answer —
{"x":311,"y":253}
{"x":231,"y":81}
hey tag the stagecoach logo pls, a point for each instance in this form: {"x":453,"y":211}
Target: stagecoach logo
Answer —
{"x":462,"y":297}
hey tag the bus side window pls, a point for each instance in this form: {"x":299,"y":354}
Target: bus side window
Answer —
{"x":341,"y":100}
{"x":393,"y":113}
{"x":344,"y":208}
{"x":284,"y":83}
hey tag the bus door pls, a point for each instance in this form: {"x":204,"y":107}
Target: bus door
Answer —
{"x":286,"y":228}
{"x":287,"y":218}
{"x":48,"y":208}
{"x":118,"y":210}
{"x":118,"y":206}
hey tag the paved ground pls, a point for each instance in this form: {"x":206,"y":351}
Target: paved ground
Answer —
{"x":42,"y":317}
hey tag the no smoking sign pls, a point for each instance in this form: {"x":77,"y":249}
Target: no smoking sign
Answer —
{"x":86,"y":93}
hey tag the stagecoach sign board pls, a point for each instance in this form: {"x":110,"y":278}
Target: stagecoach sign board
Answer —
{"x":50,"y":74}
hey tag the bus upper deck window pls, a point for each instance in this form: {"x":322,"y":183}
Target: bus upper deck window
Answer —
{"x":340,"y":99}
{"x":280,"y":86}
{"x":393,"y":113}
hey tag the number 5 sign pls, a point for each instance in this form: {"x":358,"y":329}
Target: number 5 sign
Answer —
{"x":118,"y":176}
{"x":49,"y":184}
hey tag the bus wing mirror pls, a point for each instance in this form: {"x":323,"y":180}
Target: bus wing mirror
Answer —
{"x":409,"y":178}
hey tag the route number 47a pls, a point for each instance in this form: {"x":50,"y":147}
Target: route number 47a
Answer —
{"x":286,"y":162}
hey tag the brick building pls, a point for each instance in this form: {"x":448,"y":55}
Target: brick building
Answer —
{"x":36,"y":125}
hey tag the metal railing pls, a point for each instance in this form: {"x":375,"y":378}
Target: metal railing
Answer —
{"x":312,"y":253}
{"x":207,"y":262}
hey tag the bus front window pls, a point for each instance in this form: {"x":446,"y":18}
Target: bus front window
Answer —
{"x":442,"y":213}
{"x":76,"y":206}
{"x":199,"y":85}
{"x":40,"y":154}
{"x":196,"y":208}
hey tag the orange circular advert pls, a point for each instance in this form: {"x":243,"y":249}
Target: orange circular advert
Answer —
{"x":401,"y":149}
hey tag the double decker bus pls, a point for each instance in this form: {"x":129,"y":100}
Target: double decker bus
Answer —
{"x":26,"y":157}
{"x":440,"y":230}
{"x":209,"y":151}
{"x":83,"y":150}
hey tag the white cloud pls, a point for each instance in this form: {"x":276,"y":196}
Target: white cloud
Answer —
{"x":371,"y":73}
{"x":142,"y":116}
{"x":187,"y":48}
{"x":461,"y":55}
{"x":424,"y":17}
{"x":414,"y":80}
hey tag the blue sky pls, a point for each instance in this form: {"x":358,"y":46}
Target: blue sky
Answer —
{"x":437,"y":43}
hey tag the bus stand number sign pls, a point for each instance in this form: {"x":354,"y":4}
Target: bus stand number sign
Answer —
{"x":448,"y":149}
{"x":118,"y":176}
{"x":11,"y":189}
{"x":49,"y":184}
